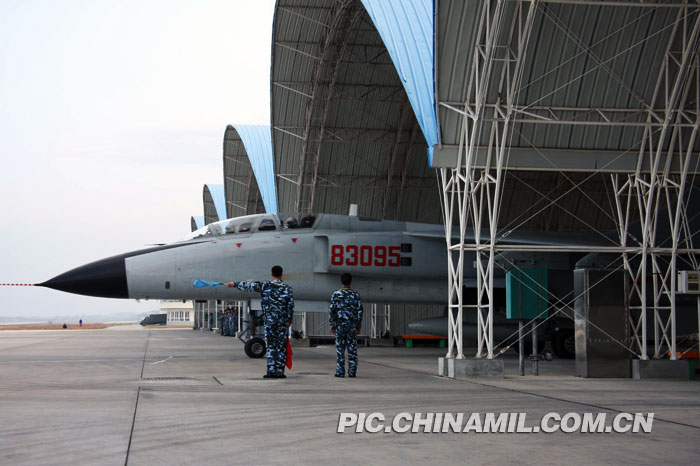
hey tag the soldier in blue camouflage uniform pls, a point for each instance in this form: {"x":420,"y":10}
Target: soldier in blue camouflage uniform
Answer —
{"x":233,"y":322}
{"x":278,"y":305}
{"x":345,"y":320}
{"x":229,"y":323}
{"x":225,"y":322}
{"x":222,"y":322}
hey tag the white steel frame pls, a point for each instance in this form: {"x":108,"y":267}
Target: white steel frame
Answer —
{"x":374,"y":315}
{"x":471,"y":193}
{"x":654,"y":191}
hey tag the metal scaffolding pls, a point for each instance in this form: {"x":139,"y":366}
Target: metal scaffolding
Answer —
{"x":653,"y":189}
{"x":471,"y":194}
{"x":656,"y":192}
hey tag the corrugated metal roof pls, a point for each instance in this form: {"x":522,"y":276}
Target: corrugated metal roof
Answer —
{"x":242,"y":193}
{"x":407,"y":29}
{"x":257,"y":140}
{"x":588,"y":63}
{"x":197,"y":222}
{"x":214,"y":203}
{"x":344,"y":120}
{"x":343,"y":127}
{"x":595,"y":65}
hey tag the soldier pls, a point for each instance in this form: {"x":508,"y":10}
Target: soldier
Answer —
{"x":234,"y":322}
{"x":224,"y":322}
{"x":228,"y":322}
{"x":345,"y":320}
{"x":278,"y":306}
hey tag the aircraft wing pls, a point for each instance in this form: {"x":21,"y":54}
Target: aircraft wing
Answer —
{"x":532,"y":238}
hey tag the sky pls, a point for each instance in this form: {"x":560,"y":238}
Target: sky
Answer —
{"x":112,"y":117}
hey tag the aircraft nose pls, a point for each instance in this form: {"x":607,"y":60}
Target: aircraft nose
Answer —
{"x":105,"y":278}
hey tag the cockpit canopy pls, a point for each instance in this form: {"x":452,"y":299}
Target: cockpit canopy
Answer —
{"x":254,"y":223}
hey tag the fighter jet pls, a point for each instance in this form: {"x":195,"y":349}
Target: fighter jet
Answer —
{"x":391,"y":261}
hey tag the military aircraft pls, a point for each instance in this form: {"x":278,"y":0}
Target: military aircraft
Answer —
{"x":391,"y":261}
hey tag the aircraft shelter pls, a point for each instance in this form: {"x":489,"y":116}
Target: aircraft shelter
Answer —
{"x":249,"y":176}
{"x":214,"y":201}
{"x":543,"y":115}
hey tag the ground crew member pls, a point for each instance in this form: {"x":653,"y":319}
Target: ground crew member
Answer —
{"x":233,"y":328}
{"x":224,"y":322}
{"x":278,"y":306}
{"x":345,"y":320}
{"x":228,"y":322}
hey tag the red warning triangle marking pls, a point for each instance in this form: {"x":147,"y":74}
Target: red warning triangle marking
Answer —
{"x":294,"y":240}
{"x":239,"y":244}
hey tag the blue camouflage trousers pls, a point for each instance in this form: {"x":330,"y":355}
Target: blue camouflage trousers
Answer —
{"x":346,"y":338}
{"x":233,"y":324}
{"x":276,"y":342}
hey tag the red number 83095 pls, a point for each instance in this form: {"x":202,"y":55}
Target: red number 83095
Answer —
{"x":352,"y":255}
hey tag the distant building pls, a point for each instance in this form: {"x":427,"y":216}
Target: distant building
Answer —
{"x":179,"y":313}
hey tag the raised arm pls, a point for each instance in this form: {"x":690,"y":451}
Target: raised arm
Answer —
{"x":251,"y":287}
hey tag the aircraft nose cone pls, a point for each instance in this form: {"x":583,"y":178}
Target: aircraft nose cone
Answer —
{"x":105,"y":278}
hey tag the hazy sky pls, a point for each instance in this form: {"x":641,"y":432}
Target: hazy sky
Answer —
{"x":112,"y":117}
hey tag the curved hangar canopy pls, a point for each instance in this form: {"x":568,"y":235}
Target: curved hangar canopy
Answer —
{"x":344,"y":129}
{"x":597,"y":86}
{"x":249,"y":176}
{"x":344,"y":133}
{"x":196,"y":222}
{"x":590,"y":78}
{"x":214,"y":203}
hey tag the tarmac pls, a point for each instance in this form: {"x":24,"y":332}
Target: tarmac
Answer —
{"x":177,"y":397}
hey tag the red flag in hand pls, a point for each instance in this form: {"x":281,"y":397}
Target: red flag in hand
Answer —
{"x":288,"y":362}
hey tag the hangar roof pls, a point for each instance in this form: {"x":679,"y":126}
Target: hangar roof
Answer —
{"x":248,"y":164}
{"x":214,"y":203}
{"x":343,"y":127}
{"x":408,"y":32}
{"x":196,"y":222}
{"x":595,"y":93}
{"x":591,"y":79}
{"x":351,"y":83}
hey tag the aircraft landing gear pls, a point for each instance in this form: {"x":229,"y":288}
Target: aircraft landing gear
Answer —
{"x":255,"y":347}
{"x":251,"y":336}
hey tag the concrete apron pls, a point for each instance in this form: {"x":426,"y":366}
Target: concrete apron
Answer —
{"x":465,"y":369}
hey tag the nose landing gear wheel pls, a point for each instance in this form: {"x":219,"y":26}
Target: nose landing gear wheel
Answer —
{"x":255,"y":347}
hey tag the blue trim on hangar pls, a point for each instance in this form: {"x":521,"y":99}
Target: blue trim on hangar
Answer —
{"x":408,"y":30}
{"x":257,"y":140}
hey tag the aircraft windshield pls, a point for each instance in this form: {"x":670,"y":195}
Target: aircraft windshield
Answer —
{"x":291,"y":221}
{"x":238,"y":225}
